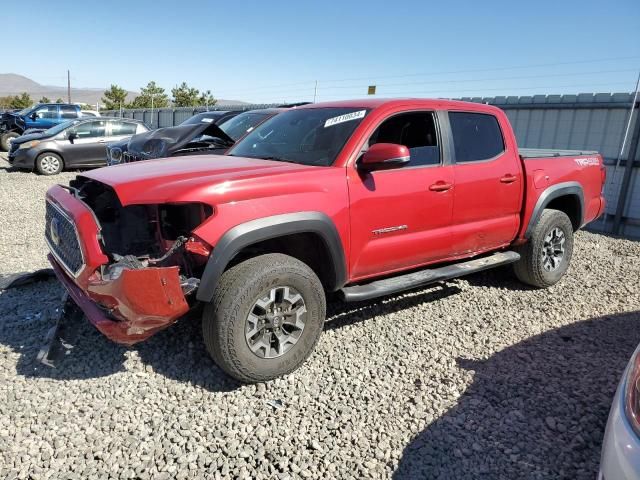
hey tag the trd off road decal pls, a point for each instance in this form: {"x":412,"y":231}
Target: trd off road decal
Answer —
{"x":345,"y":118}
{"x":587,"y":161}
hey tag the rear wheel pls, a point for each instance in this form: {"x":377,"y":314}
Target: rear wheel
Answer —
{"x":6,"y":139}
{"x":49,"y":163}
{"x":265,"y":318}
{"x":546,"y":256}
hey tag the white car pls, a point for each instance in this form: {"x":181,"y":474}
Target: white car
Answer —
{"x":89,"y":113}
{"x":621,"y":446}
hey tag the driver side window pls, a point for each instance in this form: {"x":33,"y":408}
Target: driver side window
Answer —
{"x":416,"y":131}
{"x":48,"y":111}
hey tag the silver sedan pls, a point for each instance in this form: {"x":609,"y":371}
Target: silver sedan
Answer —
{"x":621,"y":447}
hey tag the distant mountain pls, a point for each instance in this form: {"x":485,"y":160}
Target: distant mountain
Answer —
{"x":14,"y":84}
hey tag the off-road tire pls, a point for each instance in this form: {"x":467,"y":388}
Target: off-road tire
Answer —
{"x":223,"y":320}
{"x":47,"y":170}
{"x":4,"y":140}
{"x":529,"y":269}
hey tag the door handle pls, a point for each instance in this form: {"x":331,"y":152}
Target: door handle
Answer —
{"x":440,"y":186}
{"x":102,"y":141}
{"x":508,"y":178}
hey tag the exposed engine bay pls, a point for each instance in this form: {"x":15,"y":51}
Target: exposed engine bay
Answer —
{"x":143,"y":236}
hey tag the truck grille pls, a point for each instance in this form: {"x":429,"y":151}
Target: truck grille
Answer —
{"x":62,"y":238}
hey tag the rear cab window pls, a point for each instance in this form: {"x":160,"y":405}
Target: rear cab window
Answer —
{"x":68,"y":111}
{"x":476,"y":136}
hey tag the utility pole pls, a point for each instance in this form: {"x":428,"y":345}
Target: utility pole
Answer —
{"x":68,"y":87}
{"x":315,"y":92}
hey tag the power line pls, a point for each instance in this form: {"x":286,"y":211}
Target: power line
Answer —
{"x":426,"y":74}
{"x":455,"y":92}
{"x":323,"y":88}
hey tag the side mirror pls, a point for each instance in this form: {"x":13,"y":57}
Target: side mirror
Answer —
{"x":33,"y":116}
{"x":381,"y":156}
{"x":72,"y":136}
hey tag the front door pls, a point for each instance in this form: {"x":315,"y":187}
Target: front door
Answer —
{"x":488,"y":178}
{"x":43,"y":117}
{"x":88,"y":147}
{"x":400,"y":218}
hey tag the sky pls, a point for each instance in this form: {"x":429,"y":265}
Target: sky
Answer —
{"x":276,"y":51}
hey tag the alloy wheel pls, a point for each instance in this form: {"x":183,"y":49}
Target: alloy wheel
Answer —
{"x":275,"y":322}
{"x":553,"y":249}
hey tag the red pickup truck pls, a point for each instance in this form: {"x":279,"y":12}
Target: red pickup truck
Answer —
{"x":366,"y":198}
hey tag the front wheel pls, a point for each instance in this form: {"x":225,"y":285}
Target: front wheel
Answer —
{"x":546,"y":256}
{"x":49,"y":163}
{"x":6,"y":139}
{"x":265,"y":318}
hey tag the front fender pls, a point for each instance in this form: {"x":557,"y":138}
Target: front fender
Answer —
{"x":248,"y":233}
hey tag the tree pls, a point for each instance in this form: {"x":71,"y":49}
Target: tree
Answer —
{"x":21,"y":101}
{"x":59,"y":100}
{"x":5,"y":102}
{"x":115,"y":97}
{"x":185,"y":96}
{"x":44,"y":100}
{"x":150,"y":93}
{"x":207,"y":99}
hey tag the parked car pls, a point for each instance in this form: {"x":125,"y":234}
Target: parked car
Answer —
{"x":38,"y":118}
{"x":202,"y":133}
{"x":73,"y":144}
{"x":215,"y":116}
{"x":364,"y":198}
{"x":621,"y":447}
{"x":90,"y":113}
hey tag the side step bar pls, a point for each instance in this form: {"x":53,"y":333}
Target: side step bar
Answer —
{"x":397,"y":284}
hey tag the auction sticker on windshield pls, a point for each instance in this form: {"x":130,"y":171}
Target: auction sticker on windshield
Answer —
{"x":345,"y":118}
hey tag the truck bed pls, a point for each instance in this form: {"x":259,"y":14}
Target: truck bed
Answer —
{"x":551,"y":152}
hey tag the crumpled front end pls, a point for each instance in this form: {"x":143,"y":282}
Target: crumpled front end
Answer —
{"x":130,"y":269}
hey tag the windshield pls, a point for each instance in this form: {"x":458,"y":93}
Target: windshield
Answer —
{"x":24,"y":111}
{"x":237,"y":126}
{"x":60,"y":127}
{"x":207,"y":117}
{"x":309,"y":136}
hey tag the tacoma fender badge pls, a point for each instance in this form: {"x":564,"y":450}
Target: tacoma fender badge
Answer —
{"x":381,"y":231}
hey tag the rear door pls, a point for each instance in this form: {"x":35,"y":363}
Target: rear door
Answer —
{"x":88,"y":146}
{"x":122,"y":129}
{"x":488,"y":183}
{"x":400,"y":218}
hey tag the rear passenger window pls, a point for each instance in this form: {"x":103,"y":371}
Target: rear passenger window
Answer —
{"x":416,"y":131}
{"x":476,"y":136}
{"x":123,"y":128}
{"x":68,"y":111}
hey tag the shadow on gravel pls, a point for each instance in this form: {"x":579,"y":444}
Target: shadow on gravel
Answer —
{"x":535,"y":410}
{"x":26,"y":314}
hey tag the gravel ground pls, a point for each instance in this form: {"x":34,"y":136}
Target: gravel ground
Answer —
{"x":477,"y":378}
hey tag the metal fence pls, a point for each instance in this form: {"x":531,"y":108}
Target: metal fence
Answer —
{"x":169,"y":117}
{"x":585,"y":121}
{"x":590,"y":122}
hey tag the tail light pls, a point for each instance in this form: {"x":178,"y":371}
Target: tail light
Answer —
{"x":632,"y":392}
{"x":603,"y":173}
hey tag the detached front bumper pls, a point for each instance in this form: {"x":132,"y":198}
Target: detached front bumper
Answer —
{"x":131,"y":308}
{"x":127,"y":309}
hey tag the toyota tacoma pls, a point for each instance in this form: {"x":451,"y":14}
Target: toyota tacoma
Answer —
{"x":360,"y":198}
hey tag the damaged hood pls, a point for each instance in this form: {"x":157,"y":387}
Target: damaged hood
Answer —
{"x":188,"y":178}
{"x":163,"y":142}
